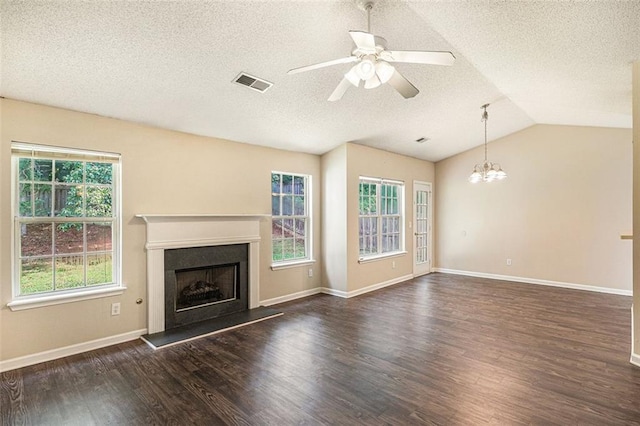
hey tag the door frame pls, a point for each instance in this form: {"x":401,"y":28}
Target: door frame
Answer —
{"x":430,"y":251}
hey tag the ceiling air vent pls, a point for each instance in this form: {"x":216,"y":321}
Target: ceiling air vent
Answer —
{"x":423,"y":140}
{"x":252,"y":82}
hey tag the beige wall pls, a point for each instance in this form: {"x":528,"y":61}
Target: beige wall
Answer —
{"x":558,"y":215}
{"x":163,"y":172}
{"x":365,"y":161}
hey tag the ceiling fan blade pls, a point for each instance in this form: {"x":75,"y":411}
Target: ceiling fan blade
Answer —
{"x":340,"y":90}
{"x":402,"y":85}
{"x":323,"y":64}
{"x":419,"y":57}
{"x":364,"y":41}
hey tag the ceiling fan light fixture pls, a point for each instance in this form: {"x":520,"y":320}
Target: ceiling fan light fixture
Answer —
{"x":366,"y":68}
{"x":372,"y":83}
{"x":384,"y":71}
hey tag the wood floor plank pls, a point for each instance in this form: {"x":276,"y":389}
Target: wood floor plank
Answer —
{"x":437,"y":350}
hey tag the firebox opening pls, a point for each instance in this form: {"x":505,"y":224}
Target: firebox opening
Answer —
{"x":204,"y":286}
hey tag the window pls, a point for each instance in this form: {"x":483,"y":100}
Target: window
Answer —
{"x":66,"y":220}
{"x":381,"y":217}
{"x":291,"y":226}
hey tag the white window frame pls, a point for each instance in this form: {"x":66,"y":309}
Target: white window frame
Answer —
{"x":54,"y":297}
{"x":307,"y":217}
{"x":379,"y":217}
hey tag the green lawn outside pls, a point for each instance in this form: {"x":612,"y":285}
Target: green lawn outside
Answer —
{"x":37,"y":274}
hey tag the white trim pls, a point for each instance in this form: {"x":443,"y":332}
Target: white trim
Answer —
{"x":368,"y":289}
{"x":201,"y":242}
{"x":60,"y":298}
{"x":290,"y":297}
{"x":382,"y":256}
{"x":635,"y":358}
{"x":294,"y":264}
{"x":573,"y":286}
{"x":24,"y":361}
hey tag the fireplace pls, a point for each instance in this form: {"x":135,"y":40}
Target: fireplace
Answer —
{"x":167,"y":234}
{"x":204,"y":282}
{"x":202,"y":287}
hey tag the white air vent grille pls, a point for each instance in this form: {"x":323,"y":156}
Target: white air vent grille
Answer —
{"x":252,"y":82}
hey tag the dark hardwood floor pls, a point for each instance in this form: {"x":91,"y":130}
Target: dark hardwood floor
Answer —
{"x":439,"y":349}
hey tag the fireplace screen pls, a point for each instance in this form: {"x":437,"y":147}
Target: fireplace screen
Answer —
{"x":198,"y":287}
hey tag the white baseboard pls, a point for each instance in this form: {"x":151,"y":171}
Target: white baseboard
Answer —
{"x":635,"y":359}
{"x":24,"y":361}
{"x":537,"y":281}
{"x":290,"y":297}
{"x":373,"y":287}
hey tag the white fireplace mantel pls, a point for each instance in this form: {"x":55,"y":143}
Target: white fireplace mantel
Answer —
{"x":170,"y":231}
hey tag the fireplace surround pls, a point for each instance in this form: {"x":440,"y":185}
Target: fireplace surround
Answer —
{"x":176,"y":231}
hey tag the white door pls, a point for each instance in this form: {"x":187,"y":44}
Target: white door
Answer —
{"x":421,"y":228}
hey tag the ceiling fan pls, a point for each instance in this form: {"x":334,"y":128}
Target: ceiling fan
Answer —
{"x":373,"y":62}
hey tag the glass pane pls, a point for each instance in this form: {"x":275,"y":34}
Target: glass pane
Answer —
{"x":99,"y":269}
{"x":396,"y":224}
{"x":394,"y":207}
{"x":25,"y":200}
{"x":277,"y":250}
{"x":287,"y":205}
{"x":24,"y":169}
{"x":287,"y":228}
{"x":42,"y":200}
{"x":36,"y":275}
{"x":287,"y":184}
{"x":298,"y":185}
{"x":69,"y":272}
{"x":300,"y":250}
{"x":98,"y":202}
{"x":276,"y":181}
{"x":35,"y":239}
{"x":99,"y":173}
{"x":69,"y":171}
{"x":275,"y":205}
{"x":69,"y":238}
{"x":298,"y":205}
{"x":68,"y":201}
{"x":300,"y":226}
{"x":287,"y":249}
{"x":276,"y":228}
{"x":99,"y":237}
{"x":43,"y":170}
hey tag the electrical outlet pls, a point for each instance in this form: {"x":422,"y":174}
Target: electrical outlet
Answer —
{"x":115,"y":308}
{"x":310,"y":272}
{"x":508,"y":262}
{"x":393,"y":265}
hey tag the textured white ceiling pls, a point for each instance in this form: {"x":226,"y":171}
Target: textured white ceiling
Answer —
{"x":170,"y":65}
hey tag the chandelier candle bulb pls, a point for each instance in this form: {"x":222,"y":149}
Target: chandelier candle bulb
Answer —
{"x":486,"y":171}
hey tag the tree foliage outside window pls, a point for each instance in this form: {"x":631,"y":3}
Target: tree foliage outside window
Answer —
{"x":66,"y":222}
{"x":380,"y":216}
{"x":290,"y":217}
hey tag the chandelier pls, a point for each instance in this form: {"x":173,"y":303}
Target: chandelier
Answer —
{"x":486,"y":171}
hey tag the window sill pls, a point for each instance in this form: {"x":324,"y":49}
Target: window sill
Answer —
{"x":381,"y":256}
{"x":287,"y":265}
{"x":30,"y":302}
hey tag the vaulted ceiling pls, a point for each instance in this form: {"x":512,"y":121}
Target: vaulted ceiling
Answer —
{"x":171,"y":65}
